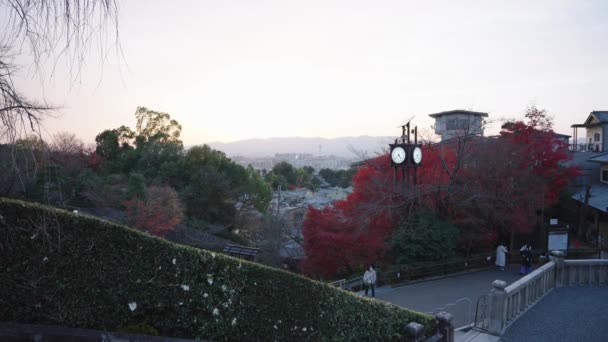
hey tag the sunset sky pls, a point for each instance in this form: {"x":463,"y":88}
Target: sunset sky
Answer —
{"x":232,"y":70}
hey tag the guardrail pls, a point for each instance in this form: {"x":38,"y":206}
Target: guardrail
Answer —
{"x":593,"y":147}
{"x":584,"y":273}
{"x":406,"y":273}
{"x":507,"y":303}
{"x":525,"y":292}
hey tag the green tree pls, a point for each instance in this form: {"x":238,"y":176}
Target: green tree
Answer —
{"x":153,"y":126}
{"x":287,"y":171}
{"x":424,"y":237}
{"x":111,"y":142}
{"x":255,"y":191}
{"x":136,"y":186}
{"x":207,"y":197}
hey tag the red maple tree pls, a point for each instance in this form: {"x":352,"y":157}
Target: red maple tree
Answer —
{"x":158,"y":212}
{"x":488,"y":187}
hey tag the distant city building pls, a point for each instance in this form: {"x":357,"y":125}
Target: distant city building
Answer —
{"x":298,"y":160}
{"x":456,"y":123}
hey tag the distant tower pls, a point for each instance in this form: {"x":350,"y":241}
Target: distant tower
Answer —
{"x":458,"y":122}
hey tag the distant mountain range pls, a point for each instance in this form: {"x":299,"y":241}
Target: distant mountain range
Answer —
{"x":341,"y":147}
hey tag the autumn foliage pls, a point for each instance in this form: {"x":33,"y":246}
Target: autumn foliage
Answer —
{"x":157,"y":212}
{"x":487,"y":187}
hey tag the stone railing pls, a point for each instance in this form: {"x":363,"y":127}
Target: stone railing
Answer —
{"x":583,"y":272}
{"x":507,"y":303}
{"x":444,"y":333}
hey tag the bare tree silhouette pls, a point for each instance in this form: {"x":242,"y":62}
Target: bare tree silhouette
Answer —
{"x":47,"y":30}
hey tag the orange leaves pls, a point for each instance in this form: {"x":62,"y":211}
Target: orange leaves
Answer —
{"x":158,"y":212}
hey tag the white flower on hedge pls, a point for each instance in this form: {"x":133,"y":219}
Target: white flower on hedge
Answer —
{"x":75,"y":212}
{"x":45,"y":259}
{"x":205,"y":295}
{"x":225,"y":305}
{"x":210,"y":279}
{"x":213,"y":255}
{"x":275,"y":327}
{"x":185,"y":287}
{"x":181,"y":303}
{"x":279,"y":321}
{"x":216,"y":312}
{"x":31,"y":237}
{"x":224,"y":288}
{"x":234,"y":321}
{"x":132,"y":306}
{"x":174,"y":261}
{"x":239,"y":266}
{"x":304,"y":329}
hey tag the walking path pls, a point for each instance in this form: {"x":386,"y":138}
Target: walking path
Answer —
{"x":457,"y":295}
{"x":566,"y":314}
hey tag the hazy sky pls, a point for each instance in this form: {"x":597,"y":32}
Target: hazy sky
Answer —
{"x":232,"y":70}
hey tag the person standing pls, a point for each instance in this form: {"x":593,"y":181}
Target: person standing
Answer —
{"x":369,"y":280}
{"x":501,"y":256}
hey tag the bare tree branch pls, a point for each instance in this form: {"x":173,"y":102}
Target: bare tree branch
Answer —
{"x":42,"y":29}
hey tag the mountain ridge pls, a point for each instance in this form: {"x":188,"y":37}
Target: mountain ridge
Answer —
{"x":340,"y":146}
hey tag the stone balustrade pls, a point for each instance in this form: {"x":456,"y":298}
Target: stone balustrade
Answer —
{"x":583,"y":273}
{"x":444,"y":333}
{"x":522,"y":294}
{"x":507,"y":303}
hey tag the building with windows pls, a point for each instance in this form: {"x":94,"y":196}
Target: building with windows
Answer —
{"x":596,"y":129}
{"x":455,"y":123}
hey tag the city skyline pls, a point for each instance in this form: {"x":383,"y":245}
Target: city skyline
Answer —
{"x":244,"y":70}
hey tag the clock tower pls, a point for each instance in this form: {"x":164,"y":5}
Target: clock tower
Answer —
{"x":406,"y":155}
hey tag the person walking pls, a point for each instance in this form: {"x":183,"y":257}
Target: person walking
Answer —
{"x":369,"y":280}
{"x":501,"y":256}
{"x":526,"y":259}
{"x":522,"y":254}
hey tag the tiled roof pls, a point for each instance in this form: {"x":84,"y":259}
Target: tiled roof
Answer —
{"x":601,"y":158}
{"x":601,"y":115}
{"x":598,"y":198}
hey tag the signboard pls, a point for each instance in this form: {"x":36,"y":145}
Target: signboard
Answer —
{"x":553,"y":222}
{"x":558,"y":241}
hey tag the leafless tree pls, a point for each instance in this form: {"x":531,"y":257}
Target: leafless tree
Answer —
{"x":67,"y":143}
{"x":46,"y":30}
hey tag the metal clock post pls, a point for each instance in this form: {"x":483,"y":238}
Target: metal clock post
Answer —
{"x":406,"y":155}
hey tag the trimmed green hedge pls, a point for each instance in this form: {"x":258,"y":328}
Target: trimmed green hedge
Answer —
{"x":78,"y":271}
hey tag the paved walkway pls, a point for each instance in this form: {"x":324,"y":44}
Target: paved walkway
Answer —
{"x":457,"y":295}
{"x":566,"y":314}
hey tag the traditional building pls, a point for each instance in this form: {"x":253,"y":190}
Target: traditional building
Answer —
{"x":596,"y":131}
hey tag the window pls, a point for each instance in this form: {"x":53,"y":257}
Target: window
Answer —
{"x":604,"y":175}
{"x":596,"y":137}
{"x":457,"y":124}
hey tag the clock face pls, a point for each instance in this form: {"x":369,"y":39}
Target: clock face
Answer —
{"x":417,"y":155}
{"x":398,"y":155}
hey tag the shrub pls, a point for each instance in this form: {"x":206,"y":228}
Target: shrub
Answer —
{"x":158,"y":212}
{"x":140,"y":328}
{"x":79,"y":271}
{"x":423,"y":238}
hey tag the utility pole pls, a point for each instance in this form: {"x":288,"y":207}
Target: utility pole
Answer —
{"x":279,"y":203}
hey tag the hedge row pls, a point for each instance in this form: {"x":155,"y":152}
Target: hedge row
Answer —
{"x":74,"y":270}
